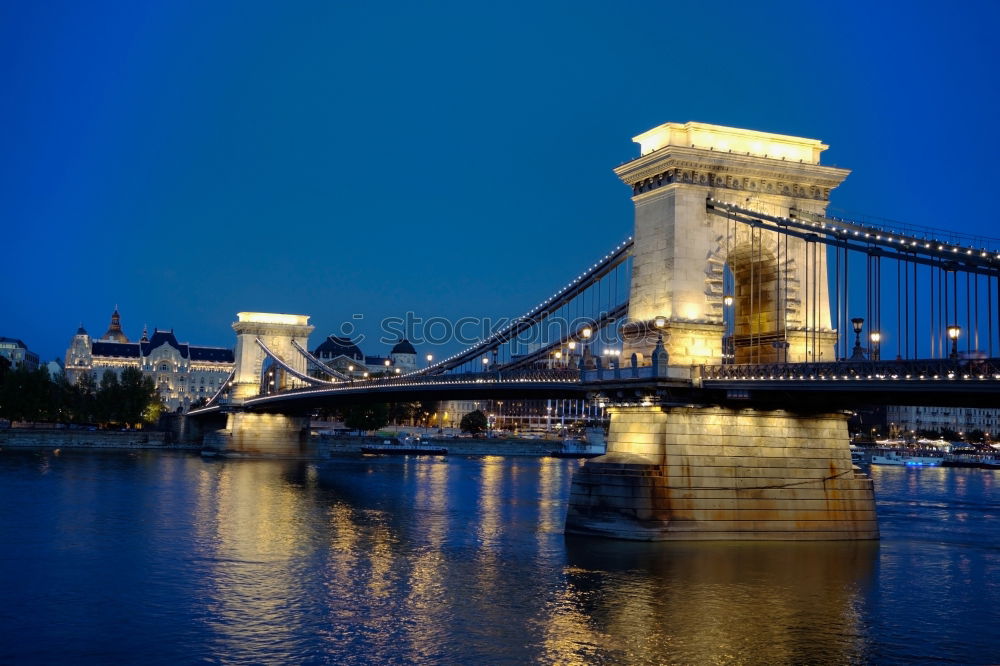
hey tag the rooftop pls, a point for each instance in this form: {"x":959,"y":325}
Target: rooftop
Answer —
{"x":731,"y":139}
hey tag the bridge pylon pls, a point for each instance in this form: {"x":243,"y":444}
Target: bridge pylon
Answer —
{"x":277,"y":332}
{"x":776,"y":285}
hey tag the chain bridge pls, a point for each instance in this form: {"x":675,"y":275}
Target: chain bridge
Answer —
{"x":727,"y":336}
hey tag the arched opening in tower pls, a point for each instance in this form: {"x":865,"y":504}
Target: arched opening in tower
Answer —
{"x":755,"y":318}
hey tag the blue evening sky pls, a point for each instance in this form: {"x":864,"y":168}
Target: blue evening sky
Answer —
{"x":189,"y":160}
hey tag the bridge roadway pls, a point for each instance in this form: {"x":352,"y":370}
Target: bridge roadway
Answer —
{"x":806,"y":386}
{"x":540,"y":384}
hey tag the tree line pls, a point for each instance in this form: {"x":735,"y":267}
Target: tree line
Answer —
{"x":33,"y":395}
{"x":373,"y":416}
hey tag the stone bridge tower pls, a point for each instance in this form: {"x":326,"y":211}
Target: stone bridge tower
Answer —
{"x":277,"y":331}
{"x":683,"y":252}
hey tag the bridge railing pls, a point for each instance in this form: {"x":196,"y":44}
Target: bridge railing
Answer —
{"x":920,"y":369}
{"x":561,"y":375}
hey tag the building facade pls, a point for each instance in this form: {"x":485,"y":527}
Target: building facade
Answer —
{"x":344,"y":356}
{"x":182,"y":373}
{"x":18,"y":354}
{"x":901,"y":420}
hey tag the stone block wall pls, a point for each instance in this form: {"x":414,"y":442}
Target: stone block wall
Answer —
{"x":722,"y":473}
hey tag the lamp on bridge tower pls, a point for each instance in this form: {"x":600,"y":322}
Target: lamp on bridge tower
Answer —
{"x":954,"y":331}
{"x":857,"y":354}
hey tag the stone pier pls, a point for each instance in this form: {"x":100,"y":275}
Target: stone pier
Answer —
{"x":251,"y":434}
{"x":717,"y":473}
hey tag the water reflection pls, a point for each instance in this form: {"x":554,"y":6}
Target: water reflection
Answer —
{"x":379,"y":560}
{"x":706,"y":602}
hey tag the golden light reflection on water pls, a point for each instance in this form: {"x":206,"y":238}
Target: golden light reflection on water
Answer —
{"x":428,"y":580}
{"x":401,"y":574}
{"x":711,"y":602}
{"x":249,"y":517}
{"x":550,"y":509}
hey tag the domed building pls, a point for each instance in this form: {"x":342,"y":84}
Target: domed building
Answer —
{"x":404,"y":356}
{"x":343,"y":355}
{"x":182,"y":373}
{"x":115,"y":332}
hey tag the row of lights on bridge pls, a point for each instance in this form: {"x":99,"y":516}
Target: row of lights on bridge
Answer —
{"x":899,"y":237}
{"x":587,"y":273}
{"x":954,"y":333}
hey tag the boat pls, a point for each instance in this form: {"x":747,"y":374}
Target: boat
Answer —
{"x":905,"y":459}
{"x":972,"y":462}
{"x":577,"y":448}
{"x":404,"y":446}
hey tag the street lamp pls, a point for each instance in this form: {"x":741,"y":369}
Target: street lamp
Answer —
{"x":954,"y":331}
{"x":587,"y":332}
{"x":857,"y":354}
{"x":727,"y":300}
{"x":876,"y":338}
{"x":430,"y":357}
{"x":486,"y":362}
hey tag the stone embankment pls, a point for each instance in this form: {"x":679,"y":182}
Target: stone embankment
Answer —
{"x":54,"y":438}
{"x":455,"y":446}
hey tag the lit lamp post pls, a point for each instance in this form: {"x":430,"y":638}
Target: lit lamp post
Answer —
{"x":954,"y":331}
{"x":350,"y":371}
{"x":660,"y":322}
{"x":486,"y":363}
{"x":876,"y":338}
{"x":387,"y":363}
{"x":558,"y":357}
{"x":728,"y":329}
{"x":430,"y":357}
{"x":857,"y":354}
{"x":586,"y":333}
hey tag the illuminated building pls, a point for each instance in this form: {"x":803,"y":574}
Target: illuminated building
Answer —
{"x":343,"y":355}
{"x":182,"y":373}
{"x":18,"y":353}
{"x":903,"y":420}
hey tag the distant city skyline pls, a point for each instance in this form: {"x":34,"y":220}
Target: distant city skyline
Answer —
{"x":186,"y":162}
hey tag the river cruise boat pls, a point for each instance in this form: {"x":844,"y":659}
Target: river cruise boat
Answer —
{"x":405,"y":446}
{"x":905,"y":459}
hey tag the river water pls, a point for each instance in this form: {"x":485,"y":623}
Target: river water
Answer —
{"x":166,"y":558}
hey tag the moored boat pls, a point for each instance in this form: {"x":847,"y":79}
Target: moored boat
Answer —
{"x":905,"y":459}
{"x":405,"y":446}
{"x":577,"y":448}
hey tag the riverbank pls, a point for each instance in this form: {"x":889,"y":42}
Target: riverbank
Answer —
{"x":58,"y":438}
{"x":456,"y":446}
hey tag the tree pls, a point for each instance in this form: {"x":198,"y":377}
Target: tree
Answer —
{"x":26,"y":395}
{"x":108,"y":400}
{"x":474,"y":422}
{"x":86,"y":393}
{"x":401,"y":412}
{"x":426,"y":409}
{"x":366,"y":417}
